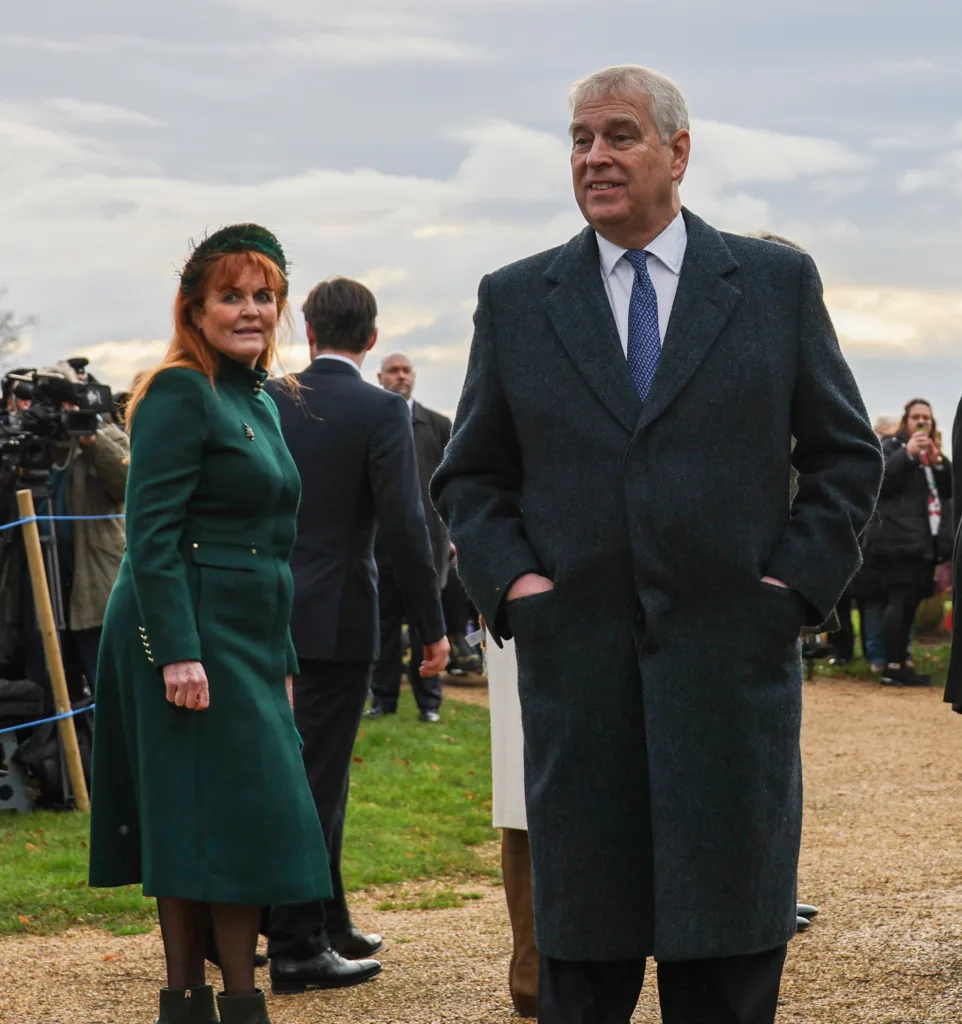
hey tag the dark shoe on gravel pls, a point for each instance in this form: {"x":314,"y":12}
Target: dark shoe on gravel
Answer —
{"x":806,"y":910}
{"x":250,"y":1009}
{"x":357,"y":945}
{"x":328,"y":969}
{"x":802,"y":924}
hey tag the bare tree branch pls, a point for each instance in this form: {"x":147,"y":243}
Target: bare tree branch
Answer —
{"x":11,"y":331}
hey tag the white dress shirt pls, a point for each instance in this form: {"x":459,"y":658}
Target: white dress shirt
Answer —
{"x":666,"y":253}
{"x":342,"y":359}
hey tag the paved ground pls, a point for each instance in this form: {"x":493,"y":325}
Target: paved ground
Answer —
{"x":882,"y":857}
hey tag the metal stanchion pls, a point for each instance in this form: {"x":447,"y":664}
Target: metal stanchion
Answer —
{"x":51,"y":649}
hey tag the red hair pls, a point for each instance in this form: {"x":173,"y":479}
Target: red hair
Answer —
{"x":188,"y":347}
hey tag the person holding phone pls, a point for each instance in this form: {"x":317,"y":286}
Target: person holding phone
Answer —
{"x":910,"y":534}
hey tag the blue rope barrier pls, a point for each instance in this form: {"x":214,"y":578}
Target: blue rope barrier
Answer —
{"x":59,"y":519}
{"x":44,"y":721}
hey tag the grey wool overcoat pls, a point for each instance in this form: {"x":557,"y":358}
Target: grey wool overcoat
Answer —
{"x":660,"y":679}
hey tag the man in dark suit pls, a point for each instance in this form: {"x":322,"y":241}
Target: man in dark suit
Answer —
{"x":616,"y":486}
{"x":353,"y":445}
{"x":432,"y":431}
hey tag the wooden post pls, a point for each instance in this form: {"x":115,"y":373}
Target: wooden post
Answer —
{"x":51,"y":649}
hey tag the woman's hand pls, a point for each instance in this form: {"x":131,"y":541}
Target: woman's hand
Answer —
{"x":186,"y":683}
{"x":918,"y":443}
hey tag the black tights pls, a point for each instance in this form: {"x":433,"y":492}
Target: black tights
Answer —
{"x":184,"y":925}
{"x":903,"y":602}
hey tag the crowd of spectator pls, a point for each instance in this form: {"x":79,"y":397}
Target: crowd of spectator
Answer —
{"x":907,"y":542}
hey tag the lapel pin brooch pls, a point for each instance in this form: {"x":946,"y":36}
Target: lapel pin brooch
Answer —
{"x":248,"y":432}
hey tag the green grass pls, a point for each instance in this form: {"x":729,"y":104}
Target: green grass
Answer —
{"x":420,"y":808}
{"x":931,"y":658}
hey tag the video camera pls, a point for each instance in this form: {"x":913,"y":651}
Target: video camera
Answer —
{"x":56,"y":411}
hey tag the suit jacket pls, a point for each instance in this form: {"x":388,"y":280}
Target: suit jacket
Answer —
{"x":432,"y":431}
{"x":354,"y":448}
{"x":660,"y":680}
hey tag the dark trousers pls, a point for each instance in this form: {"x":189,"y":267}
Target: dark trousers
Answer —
{"x":843,"y":641}
{"x":328,"y":700}
{"x":897,"y":620}
{"x":386,"y":684}
{"x":726,"y":990}
{"x":456,"y":605}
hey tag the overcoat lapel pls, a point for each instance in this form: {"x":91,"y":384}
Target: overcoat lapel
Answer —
{"x":703,"y":304}
{"x":581,"y":315}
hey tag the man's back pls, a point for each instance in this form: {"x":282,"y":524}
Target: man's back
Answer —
{"x":353,"y":446}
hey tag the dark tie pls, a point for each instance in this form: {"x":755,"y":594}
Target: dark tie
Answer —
{"x":644,"y":341}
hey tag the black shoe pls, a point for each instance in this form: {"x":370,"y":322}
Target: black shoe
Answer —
{"x":806,"y":910}
{"x":375,"y":712}
{"x":802,"y":924}
{"x":356,"y":945}
{"x":429,"y":716}
{"x":903,"y":676}
{"x":326,"y":970}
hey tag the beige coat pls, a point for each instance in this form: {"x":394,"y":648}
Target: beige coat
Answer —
{"x":507,"y":738}
{"x":95,"y":487}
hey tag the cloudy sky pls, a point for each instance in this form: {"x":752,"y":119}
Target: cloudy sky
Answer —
{"x":417,"y":144}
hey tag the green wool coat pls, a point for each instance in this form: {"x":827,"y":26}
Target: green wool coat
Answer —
{"x":209,"y":805}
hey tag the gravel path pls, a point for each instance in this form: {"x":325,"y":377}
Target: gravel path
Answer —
{"x":882,"y":858}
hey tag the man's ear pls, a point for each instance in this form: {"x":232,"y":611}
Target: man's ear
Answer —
{"x":311,"y":338}
{"x":372,"y":342}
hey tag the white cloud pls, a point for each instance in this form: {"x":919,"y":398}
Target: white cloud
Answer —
{"x":896,"y":321}
{"x":351,"y":48}
{"x":118,"y":361}
{"x":100,"y":238}
{"x":99,"y":113}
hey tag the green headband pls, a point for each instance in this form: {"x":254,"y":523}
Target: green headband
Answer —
{"x":235,"y":238}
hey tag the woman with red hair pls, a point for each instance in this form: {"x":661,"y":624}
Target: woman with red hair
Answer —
{"x":199,"y":791}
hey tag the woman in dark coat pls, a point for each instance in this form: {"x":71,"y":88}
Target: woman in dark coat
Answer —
{"x":199,"y":790}
{"x":953,"y":684}
{"x":902,"y":543}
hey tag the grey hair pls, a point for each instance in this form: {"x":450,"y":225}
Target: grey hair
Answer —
{"x":668,"y":107}
{"x":770,"y":236}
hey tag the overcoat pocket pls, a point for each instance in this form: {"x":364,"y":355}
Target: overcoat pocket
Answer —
{"x":224,"y":556}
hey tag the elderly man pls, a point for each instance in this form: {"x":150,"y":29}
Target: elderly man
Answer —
{"x":616,"y":486}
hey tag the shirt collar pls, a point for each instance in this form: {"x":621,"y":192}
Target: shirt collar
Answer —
{"x":340,"y":359}
{"x":668,"y":248}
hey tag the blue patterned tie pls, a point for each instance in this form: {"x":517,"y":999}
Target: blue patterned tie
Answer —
{"x":644,"y":341}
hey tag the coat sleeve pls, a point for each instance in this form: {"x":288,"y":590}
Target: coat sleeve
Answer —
{"x":293,"y":666}
{"x":168,"y":431}
{"x":838,"y":460}
{"x":899,"y":467}
{"x":477,"y":488}
{"x":957,"y":470}
{"x":401,"y":523}
{"x":110,"y":458}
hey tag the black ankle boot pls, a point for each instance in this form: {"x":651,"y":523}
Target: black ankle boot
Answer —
{"x":250,"y":1009}
{"x":174,"y":1006}
{"x":188,"y":1006}
{"x":202,"y":1009}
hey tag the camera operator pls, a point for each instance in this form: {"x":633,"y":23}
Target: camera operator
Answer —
{"x":87,"y":477}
